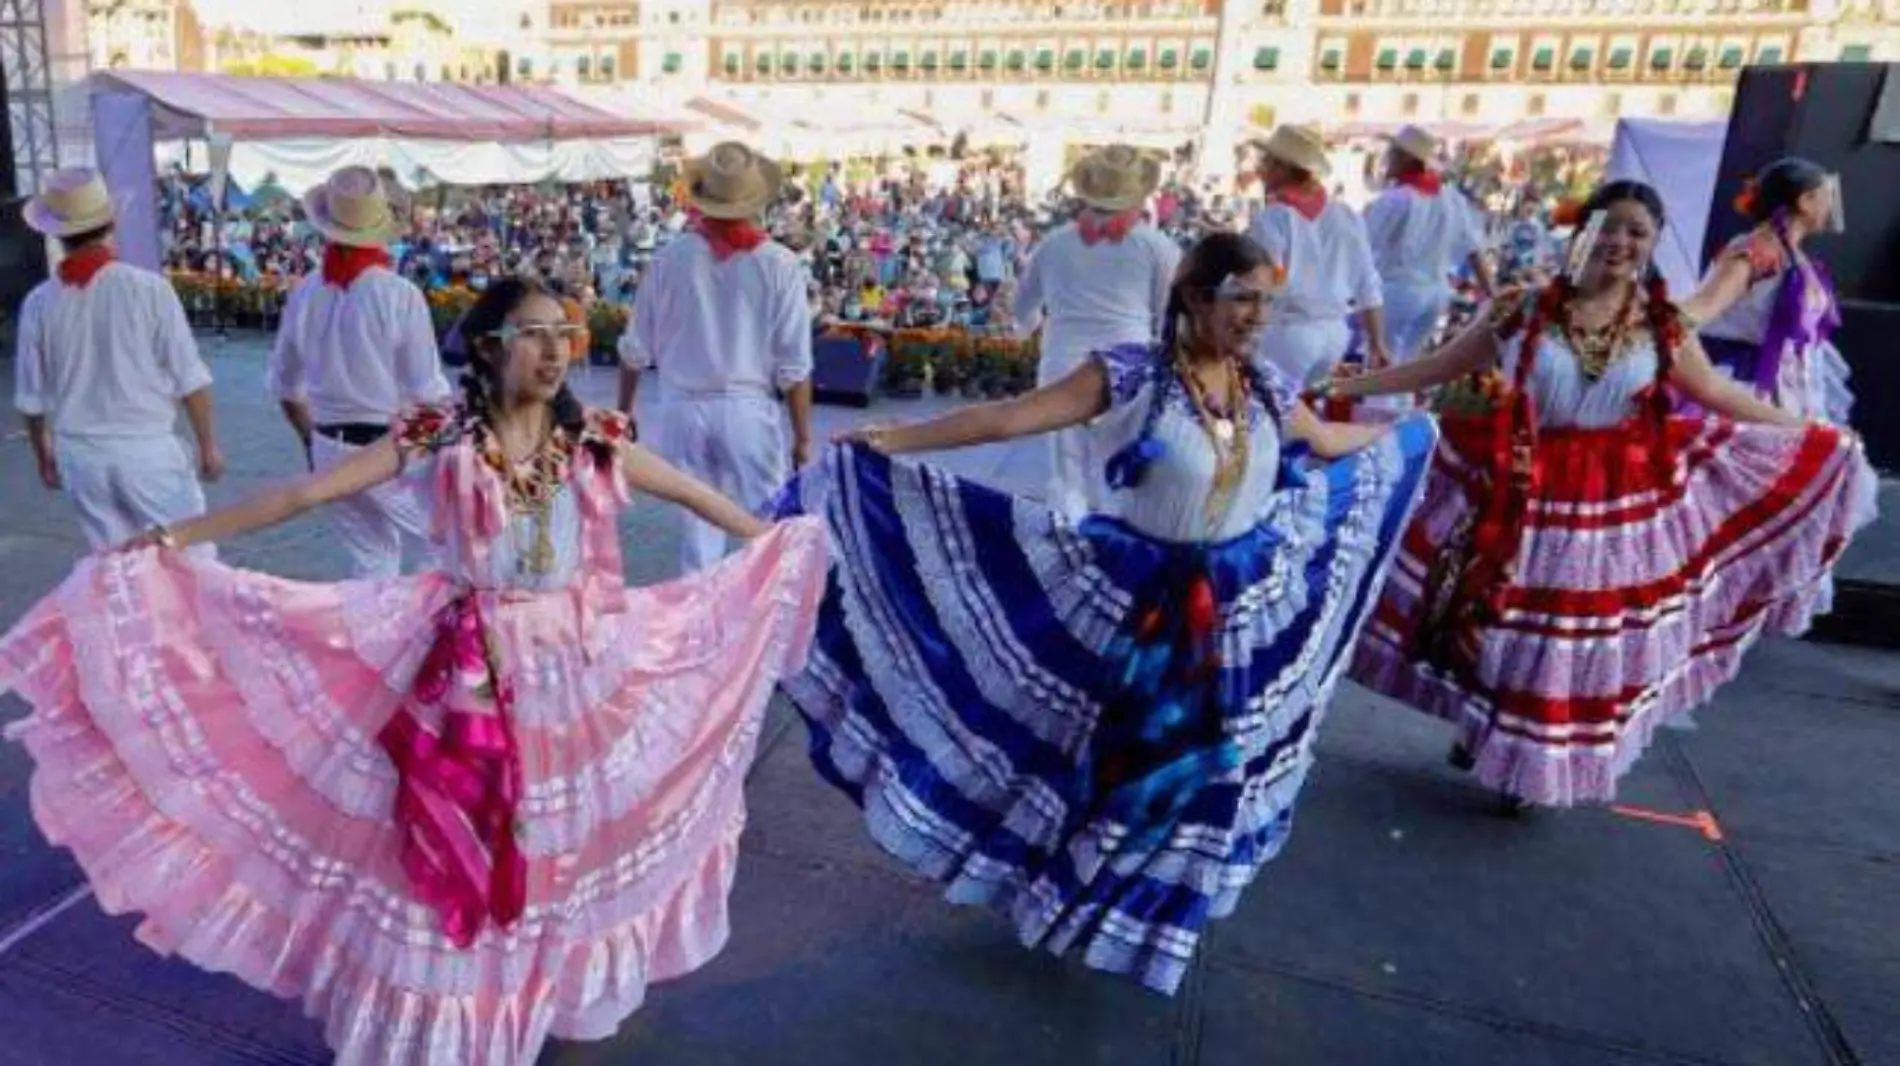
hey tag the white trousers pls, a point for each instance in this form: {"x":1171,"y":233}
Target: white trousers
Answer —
{"x":1305,"y":352}
{"x":375,"y":527}
{"x":1412,"y":314}
{"x":123,"y":487}
{"x":1076,"y":484}
{"x":737,"y":443}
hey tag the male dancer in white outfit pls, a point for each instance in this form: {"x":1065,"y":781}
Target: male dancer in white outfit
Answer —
{"x":1420,"y":232}
{"x":355,"y":348}
{"x":1102,"y":280}
{"x":106,"y":358}
{"x":1322,"y":245}
{"x":722,"y":321}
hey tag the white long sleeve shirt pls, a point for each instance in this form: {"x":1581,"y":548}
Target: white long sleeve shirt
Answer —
{"x":109,"y":360}
{"x":1329,"y":269}
{"x":1418,"y":239}
{"x":357,"y":355}
{"x":1100,"y":295}
{"x":709,"y":328}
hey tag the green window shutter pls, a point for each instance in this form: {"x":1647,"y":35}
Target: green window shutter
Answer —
{"x":1857,"y":53}
{"x":1388,"y":59}
{"x":1697,"y":58}
{"x":1137,"y":58}
{"x":1447,"y":59}
{"x":1017,"y":60}
{"x":1543,"y":59}
{"x":1330,"y":60}
{"x":959,"y":60}
{"x":987,"y":60}
{"x":929,"y":61}
{"x":763,"y":64}
{"x":1074,"y":60}
{"x":844,"y":62}
{"x":1045,"y":60}
{"x":1105,"y":59}
{"x":1415,"y":59}
{"x":671,"y":64}
{"x":1581,"y":59}
{"x":1203,"y":59}
{"x":1661,"y":58}
{"x":1501,"y":59}
{"x":732,"y":65}
{"x":1731,"y":57}
{"x":1619,"y":59}
{"x":1266,"y":58}
{"x":1169,"y":60}
{"x":900,"y":60}
{"x":816,"y":63}
{"x":1769,"y":55}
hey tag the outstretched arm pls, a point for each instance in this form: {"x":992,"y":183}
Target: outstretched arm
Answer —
{"x":1698,"y":378}
{"x":1073,"y":400}
{"x":1734,"y":273}
{"x":1468,"y":353}
{"x":1330,"y":440}
{"x":360,"y":472}
{"x":648,"y":473}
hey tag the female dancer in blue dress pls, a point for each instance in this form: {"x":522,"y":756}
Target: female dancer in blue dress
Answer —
{"x":1100,"y":728}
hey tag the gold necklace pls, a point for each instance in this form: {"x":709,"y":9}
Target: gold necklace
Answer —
{"x":1229,"y":437}
{"x":1596,"y":347}
{"x":531,"y":486}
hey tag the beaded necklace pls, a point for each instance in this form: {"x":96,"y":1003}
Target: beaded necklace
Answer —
{"x":1228,"y":435}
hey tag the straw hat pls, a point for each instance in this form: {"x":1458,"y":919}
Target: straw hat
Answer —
{"x":732,"y":181}
{"x":74,"y":201}
{"x":1416,"y":143}
{"x":1298,"y":146}
{"x":352,"y":208}
{"x":1115,"y":178}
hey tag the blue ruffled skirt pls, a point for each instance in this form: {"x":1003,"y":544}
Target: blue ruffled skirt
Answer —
{"x":1099,"y":734}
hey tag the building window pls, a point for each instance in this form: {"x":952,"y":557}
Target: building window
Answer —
{"x":1469,"y":105}
{"x":1666,"y":104}
{"x":1353,"y":103}
{"x":607,"y":68}
{"x":763,"y":63}
{"x":1534,"y":107}
{"x":1045,"y":60}
{"x":1769,"y":55}
{"x":844,"y":62}
{"x":959,"y":61}
{"x":1857,"y":53}
{"x":1169,"y":60}
{"x":1447,"y":60}
{"x":873,"y":62}
{"x":1697,"y":59}
{"x":1074,"y":60}
{"x":1543,"y":60}
{"x":671,"y":64}
{"x":1105,"y":59}
{"x":1581,"y":59}
{"x":1167,"y":103}
{"x":1620,"y":58}
{"x":1388,"y":59}
{"x":1409,"y":104}
{"x":1731,"y":57}
{"x":1612,"y":104}
{"x":1502,"y":58}
{"x":900,"y":61}
{"x":1660,"y":59}
{"x":929,"y":61}
{"x":1101,"y":102}
{"x":732,"y":65}
{"x":1203,"y":59}
{"x":524,"y":67}
{"x":987,"y":60}
{"x":816,"y":63}
{"x":1266,"y":58}
{"x":1330,"y":60}
{"x":1042,"y":100}
{"x":1415,"y":59}
{"x":1017,"y":60}
{"x":1137,"y":58}
{"x":582,"y":67}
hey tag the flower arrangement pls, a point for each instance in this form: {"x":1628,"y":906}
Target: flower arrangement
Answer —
{"x":1477,"y":394}
{"x":246,"y":305}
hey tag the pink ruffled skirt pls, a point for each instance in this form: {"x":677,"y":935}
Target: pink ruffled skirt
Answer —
{"x":206,"y":742}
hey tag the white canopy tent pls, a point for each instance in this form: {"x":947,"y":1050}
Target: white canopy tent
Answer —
{"x":295,"y":132}
{"x":1680,"y":161}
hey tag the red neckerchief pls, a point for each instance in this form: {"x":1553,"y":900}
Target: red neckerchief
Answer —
{"x":1309,"y":199}
{"x":78,"y":268}
{"x":1427,"y":182}
{"x":728,"y":236}
{"x":1096,"y":226}
{"x":343,"y":263}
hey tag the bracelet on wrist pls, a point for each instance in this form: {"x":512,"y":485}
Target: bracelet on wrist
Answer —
{"x":162,"y":535}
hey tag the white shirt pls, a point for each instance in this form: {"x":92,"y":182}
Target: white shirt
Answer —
{"x":358,"y":355}
{"x":1329,"y":271}
{"x":709,"y":328}
{"x":1099,"y":295}
{"x":1418,"y":239}
{"x":110,"y":360}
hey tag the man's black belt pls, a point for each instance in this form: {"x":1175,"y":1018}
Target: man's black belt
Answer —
{"x":354,"y":434}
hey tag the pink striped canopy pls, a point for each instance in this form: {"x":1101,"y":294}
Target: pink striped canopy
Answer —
{"x":266,"y":109}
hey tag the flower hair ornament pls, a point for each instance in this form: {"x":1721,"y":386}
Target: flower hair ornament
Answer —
{"x":1748,"y":199}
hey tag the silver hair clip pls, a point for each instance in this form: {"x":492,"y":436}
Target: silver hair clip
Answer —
{"x":1230,"y":287}
{"x":1582,"y":245}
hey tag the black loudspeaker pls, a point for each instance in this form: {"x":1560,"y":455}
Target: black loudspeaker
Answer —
{"x":1867,"y":337}
{"x":22,"y":251}
{"x":1821,"y":112}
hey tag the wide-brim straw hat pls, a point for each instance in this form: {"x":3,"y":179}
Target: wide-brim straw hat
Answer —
{"x":1298,"y":146}
{"x":1115,"y":178}
{"x":732,"y":181}
{"x":1416,"y":143}
{"x":353,"y":209}
{"x":74,"y":201}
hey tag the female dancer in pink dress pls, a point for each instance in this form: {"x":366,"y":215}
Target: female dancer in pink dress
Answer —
{"x":1585,"y":566}
{"x":455,"y":813}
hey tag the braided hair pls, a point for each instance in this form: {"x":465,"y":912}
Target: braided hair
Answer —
{"x":481,"y":381}
{"x":1210,"y":262}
